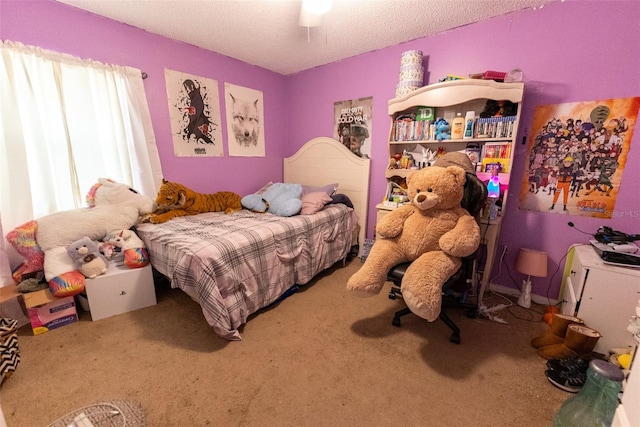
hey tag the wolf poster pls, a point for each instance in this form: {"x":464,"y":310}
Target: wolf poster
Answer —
{"x":194,"y":111}
{"x":576,"y":156}
{"x":245,"y":121}
{"x":352,"y":123}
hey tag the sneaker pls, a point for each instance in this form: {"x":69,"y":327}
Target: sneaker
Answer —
{"x":572,"y":364}
{"x":565,"y":380}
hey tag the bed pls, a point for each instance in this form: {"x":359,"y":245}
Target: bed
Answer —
{"x":234,"y":265}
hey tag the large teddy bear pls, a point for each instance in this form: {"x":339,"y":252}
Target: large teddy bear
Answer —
{"x":43,"y":242}
{"x":433,"y":232}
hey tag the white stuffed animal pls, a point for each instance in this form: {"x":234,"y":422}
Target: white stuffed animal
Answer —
{"x":112,"y":206}
{"x":125,"y":239}
{"x":135,"y":253}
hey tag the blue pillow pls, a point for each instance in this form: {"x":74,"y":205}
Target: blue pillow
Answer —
{"x":279,"y":199}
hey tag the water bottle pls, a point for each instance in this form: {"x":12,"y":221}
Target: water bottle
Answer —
{"x":596,"y":402}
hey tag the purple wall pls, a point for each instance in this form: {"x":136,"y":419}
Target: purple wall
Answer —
{"x":570,"y":51}
{"x":62,"y":28}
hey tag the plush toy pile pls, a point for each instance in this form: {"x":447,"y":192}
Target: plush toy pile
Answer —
{"x":433,"y":231}
{"x":44,"y":242}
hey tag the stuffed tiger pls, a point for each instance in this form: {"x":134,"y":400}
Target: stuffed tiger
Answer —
{"x":176,"y":200}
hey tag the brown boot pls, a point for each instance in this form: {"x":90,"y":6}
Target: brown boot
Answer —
{"x":557,"y":330}
{"x":579,"y":342}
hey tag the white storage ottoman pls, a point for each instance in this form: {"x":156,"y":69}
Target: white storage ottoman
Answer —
{"x":120,"y":290}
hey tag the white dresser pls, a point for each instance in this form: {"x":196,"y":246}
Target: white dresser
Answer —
{"x":603,"y":295}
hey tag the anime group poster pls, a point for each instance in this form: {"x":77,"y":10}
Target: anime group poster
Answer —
{"x":194,"y":112}
{"x":352,"y":125}
{"x":245,"y":121}
{"x":576,"y":156}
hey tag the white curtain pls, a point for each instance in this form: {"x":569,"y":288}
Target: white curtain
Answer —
{"x":64,"y":123}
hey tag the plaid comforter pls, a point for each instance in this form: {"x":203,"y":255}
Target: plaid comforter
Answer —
{"x":233,"y":265}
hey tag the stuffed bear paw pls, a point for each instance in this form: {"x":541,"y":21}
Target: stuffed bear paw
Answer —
{"x":428,"y":309}
{"x":363,"y":286}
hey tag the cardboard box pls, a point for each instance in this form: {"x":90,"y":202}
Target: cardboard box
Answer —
{"x":12,"y":305}
{"x":120,"y":290}
{"x":47,"y":312}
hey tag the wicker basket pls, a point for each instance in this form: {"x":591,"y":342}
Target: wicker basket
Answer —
{"x":9,"y":352}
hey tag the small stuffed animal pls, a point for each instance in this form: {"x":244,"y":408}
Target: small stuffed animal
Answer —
{"x":84,"y":252}
{"x":135,"y":253}
{"x":443,"y":131}
{"x":107,"y":249}
{"x":432,"y":232}
{"x":125,"y":239}
{"x":174,"y":200}
{"x":279,"y":199}
{"x":500,"y":108}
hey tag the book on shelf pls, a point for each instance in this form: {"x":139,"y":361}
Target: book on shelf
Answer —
{"x":406,"y":128}
{"x":496,"y":155}
{"x":495,"y":127}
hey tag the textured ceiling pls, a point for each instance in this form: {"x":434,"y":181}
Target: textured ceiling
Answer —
{"x":266,"y":33}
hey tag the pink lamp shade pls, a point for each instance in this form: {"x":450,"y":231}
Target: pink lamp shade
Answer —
{"x":532,"y":262}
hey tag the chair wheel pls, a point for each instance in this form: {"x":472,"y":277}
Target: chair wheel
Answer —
{"x":396,"y":322}
{"x":455,"y":338}
{"x":471,"y":313}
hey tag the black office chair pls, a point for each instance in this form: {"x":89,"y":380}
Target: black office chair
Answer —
{"x":455,"y":290}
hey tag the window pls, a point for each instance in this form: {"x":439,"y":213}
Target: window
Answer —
{"x":64,"y":123}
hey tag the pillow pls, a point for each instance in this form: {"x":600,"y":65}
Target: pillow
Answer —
{"x":314,"y":202}
{"x":280,"y":199}
{"x":264,"y":188}
{"x":342,"y":198}
{"x":328,"y":189}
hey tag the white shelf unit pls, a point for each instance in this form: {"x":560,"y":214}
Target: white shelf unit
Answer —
{"x":447,"y":99}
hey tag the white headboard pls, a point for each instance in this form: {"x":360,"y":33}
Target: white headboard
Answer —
{"x":323,"y":161}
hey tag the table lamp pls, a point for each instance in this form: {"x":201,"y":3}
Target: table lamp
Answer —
{"x":532,"y":263}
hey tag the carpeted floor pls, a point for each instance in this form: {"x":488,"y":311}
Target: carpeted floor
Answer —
{"x":319,"y":358}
